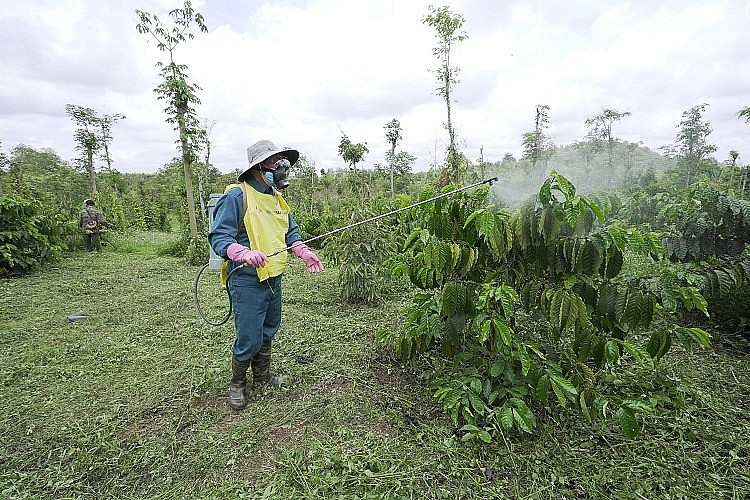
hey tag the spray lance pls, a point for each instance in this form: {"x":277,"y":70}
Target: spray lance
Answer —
{"x":329,"y":233}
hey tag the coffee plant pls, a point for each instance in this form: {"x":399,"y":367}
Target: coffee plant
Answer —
{"x":706,"y":231}
{"x":360,"y":254}
{"x":29,"y":237}
{"x":524,"y":309}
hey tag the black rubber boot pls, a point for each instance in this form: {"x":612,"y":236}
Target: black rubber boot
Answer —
{"x":237,"y":399}
{"x":261,"y":364}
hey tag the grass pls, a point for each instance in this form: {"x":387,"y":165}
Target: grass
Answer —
{"x":130,"y":403}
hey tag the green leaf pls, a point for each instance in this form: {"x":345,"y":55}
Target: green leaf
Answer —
{"x":659,"y":343}
{"x":542,"y":387}
{"x":502,"y":329}
{"x":413,"y":236}
{"x":523,"y":415}
{"x":611,"y":351}
{"x":564,"y":384}
{"x":508,"y":299}
{"x":585,"y":408}
{"x":641,"y":356}
{"x":506,"y":418}
{"x":594,"y":208}
{"x":545,"y":192}
{"x":628,"y":423}
{"x":525,"y":360}
{"x":485,"y":436}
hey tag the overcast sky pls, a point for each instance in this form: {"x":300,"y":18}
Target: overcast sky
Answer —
{"x":302,"y":72}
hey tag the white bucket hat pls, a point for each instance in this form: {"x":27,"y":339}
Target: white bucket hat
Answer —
{"x":261,"y":151}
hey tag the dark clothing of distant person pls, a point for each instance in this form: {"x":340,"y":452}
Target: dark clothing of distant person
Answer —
{"x":90,"y":222}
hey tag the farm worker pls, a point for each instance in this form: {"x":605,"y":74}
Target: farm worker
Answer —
{"x":251,"y":221}
{"x":90,"y":221}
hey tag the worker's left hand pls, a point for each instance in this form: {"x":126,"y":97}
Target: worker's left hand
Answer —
{"x":312,"y":262}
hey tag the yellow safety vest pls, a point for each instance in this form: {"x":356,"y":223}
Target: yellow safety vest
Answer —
{"x":266,"y":221}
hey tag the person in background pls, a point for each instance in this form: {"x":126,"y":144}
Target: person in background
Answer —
{"x":90,"y":222}
{"x":252,"y":228}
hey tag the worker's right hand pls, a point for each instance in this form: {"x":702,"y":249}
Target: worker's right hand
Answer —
{"x":254,"y":258}
{"x":240,"y":253}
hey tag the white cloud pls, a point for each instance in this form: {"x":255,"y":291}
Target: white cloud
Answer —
{"x":301,"y":72}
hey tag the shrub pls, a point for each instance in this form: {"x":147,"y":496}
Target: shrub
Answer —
{"x":526,"y":309}
{"x":29,"y":237}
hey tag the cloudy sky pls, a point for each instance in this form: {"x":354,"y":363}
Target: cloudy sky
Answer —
{"x":302,"y":72}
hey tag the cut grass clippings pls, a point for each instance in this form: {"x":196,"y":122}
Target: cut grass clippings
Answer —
{"x":130,"y":402}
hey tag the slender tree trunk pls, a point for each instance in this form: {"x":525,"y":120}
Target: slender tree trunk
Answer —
{"x":90,"y":168}
{"x":107,"y":158}
{"x":187,"y":168}
{"x":393,"y":165}
{"x":19,"y":179}
{"x":204,"y":211}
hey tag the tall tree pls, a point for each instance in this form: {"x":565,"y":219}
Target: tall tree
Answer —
{"x":352,"y":153}
{"x":4,"y":167}
{"x":537,"y":146}
{"x":692,"y":140}
{"x":179,"y":94}
{"x":586,"y":149}
{"x":392,"y":135}
{"x":600,"y":128}
{"x":88,"y":140}
{"x":448,"y":27}
{"x":744,"y":113}
{"x":207,"y":128}
{"x":731,"y":162}
{"x":105,"y":124}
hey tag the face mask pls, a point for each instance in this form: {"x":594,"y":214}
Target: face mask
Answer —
{"x":268,"y":178}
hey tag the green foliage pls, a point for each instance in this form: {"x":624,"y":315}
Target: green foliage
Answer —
{"x":486,"y":272}
{"x":361,"y":253}
{"x":721,"y":229}
{"x":448,"y":31}
{"x":195,"y":251}
{"x":29,"y":237}
{"x":537,"y":146}
{"x":352,"y":153}
{"x":180,"y":95}
{"x":692,"y":144}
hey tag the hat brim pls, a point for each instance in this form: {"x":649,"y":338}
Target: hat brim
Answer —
{"x":290,"y":154}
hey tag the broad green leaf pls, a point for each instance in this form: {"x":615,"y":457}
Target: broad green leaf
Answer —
{"x":628,"y":423}
{"x":641,"y":356}
{"x":542,"y":387}
{"x":523,"y":415}
{"x":565,"y":385}
{"x":545,"y":192}
{"x":502,"y":329}
{"x":473,"y":216}
{"x":506,"y":418}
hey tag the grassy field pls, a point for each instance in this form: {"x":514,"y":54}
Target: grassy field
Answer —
{"x":130,"y":403}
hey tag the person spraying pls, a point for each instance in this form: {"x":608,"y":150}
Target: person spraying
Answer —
{"x":251,"y":223}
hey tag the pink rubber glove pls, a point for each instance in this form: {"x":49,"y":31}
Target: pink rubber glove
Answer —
{"x":312,"y":262}
{"x":239,"y":253}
